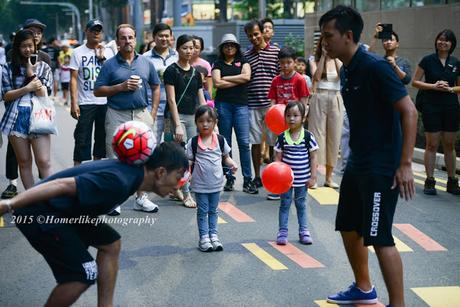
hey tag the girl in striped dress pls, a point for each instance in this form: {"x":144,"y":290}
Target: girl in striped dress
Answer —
{"x":296,"y":147}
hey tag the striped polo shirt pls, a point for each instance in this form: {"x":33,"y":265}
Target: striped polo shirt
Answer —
{"x":297,"y":155}
{"x":264,"y":67}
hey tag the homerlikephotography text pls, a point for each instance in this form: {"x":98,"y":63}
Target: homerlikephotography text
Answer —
{"x":84,"y":219}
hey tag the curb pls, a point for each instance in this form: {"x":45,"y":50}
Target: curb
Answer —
{"x":439,"y":162}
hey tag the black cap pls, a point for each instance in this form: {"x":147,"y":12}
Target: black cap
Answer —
{"x":31,"y":22}
{"x":94,"y":23}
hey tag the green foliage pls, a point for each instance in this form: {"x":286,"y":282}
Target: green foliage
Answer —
{"x":247,"y":8}
{"x":295,"y":42}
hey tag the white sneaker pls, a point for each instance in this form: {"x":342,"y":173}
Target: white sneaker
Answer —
{"x":115,"y":212}
{"x":205,"y":244}
{"x":144,"y":204}
{"x":216,"y":244}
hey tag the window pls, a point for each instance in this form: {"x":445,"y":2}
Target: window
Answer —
{"x":394,"y":4}
{"x":367,"y":5}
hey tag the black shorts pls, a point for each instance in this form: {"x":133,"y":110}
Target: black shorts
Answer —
{"x":367,"y":205}
{"x":447,"y":120}
{"x":65,"y":248}
{"x":65,"y":85}
{"x":90,"y":115}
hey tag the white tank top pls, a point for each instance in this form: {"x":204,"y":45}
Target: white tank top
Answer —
{"x":332,"y":81}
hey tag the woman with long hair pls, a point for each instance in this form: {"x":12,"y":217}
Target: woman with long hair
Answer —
{"x":440,"y":109}
{"x":22,"y":78}
{"x":196,"y":60}
{"x":325,"y":116}
{"x":184,"y":91}
{"x":230,"y":75}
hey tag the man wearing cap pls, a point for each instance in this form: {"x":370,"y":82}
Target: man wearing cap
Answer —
{"x":123,"y":79}
{"x":11,"y":162}
{"x":85,"y":63}
{"x":161,"y":56}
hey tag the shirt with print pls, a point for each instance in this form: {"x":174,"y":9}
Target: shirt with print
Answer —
{"x":264,"y":67}
{"x":101,"y":186}
{"x":284,"y":90}
{"x":176,"y":76}
{"x":296,"y":154}
{"x":434,"y":71}
{"x":208,"y":176}
{"x":236,"y":94}
{"x":370,"y":87}
{"x":86,"y":62}
{"x":117,"y":70}
{"x":64,"y":74}
{"x":161,"y":64}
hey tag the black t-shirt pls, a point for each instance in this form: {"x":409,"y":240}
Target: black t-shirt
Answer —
{"x":176,"y":76}
{"x":53,"y":52}
{"x":101,"y":186}
{"x":237,"y":94}
{"x":370,"y":87}
{"x":435,"y":71}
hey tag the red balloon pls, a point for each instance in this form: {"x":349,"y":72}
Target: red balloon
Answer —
{"x":274,"y":119}
{"x":277,"y":177}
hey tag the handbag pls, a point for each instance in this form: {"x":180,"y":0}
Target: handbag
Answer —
{"x":168,"y":122}
{"x":42,"y":117}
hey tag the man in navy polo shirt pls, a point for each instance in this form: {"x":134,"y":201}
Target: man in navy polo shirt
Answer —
{"x":123,"y":79}
{"x":383,"y":123}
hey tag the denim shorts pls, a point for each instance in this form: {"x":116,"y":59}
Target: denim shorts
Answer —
{"x":22,"y":124}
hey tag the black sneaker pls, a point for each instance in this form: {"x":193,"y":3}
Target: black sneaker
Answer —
{"x":249,"y":187}
{"x":452,"y":186}
{"x":10,"y":192}
{"x":429,"y":188}
{"x":229,"y":184}
{"x":257,"y":182}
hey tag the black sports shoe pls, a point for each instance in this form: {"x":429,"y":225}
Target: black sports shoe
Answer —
{"x":229,"y":184}
{"x":249,"y":187}
{"x":429,"y":188}
{"x":452,"y":186}
{"x":257,"y":182}
{"x":10,"y":192}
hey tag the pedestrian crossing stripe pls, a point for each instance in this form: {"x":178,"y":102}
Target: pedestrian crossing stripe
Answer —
{"x":422,"y":175}
{"x":265,"y":257}
{"x":420,"y":238}
{"x":221,"y":220}
{"x":400,"y":246}
{"x":437,"y":186}
{"x":297,"y":255}
{"x":439,"y":296}
{"x":324,"y":303}
{"x":325,"y":196}
{"x":235,"y":213}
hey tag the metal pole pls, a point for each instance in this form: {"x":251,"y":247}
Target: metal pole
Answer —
{"x":177,"y":7}
{"x":262,"y":9}
{"x":138,"y":20}
{"x":90,"y":9}
{"x":67,"y":4}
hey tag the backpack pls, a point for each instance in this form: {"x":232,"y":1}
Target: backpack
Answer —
{"x":221,"y":140}
{"x":306,"y":137}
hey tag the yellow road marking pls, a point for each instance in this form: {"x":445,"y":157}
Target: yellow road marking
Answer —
{"x":324,"y":303}
{"x":423,"y":175}
{"x":2,"y":222}
{"x":221,"y":220}
{"x":438,"y":187}
{"x":264,"y":256}
{"x":325,"y":196}
{"x":400,"y":246}
{"x":439,"y":296}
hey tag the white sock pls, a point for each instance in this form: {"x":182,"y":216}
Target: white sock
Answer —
{"x":14,"y":182}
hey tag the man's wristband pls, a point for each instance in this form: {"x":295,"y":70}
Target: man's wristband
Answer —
{"x":451,"y":90}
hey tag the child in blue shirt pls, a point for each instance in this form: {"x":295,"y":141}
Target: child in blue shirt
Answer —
{"x":297,"y":148}
{"x":206,"y":151}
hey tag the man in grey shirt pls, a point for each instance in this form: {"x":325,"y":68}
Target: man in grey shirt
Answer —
{"x":123,"y":80}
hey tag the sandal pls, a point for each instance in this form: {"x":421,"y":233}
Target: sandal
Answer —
{"x":189,"y":202}
{"x":177,"y":195}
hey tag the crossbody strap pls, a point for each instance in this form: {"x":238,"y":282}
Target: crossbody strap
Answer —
{"x":186,"y":87}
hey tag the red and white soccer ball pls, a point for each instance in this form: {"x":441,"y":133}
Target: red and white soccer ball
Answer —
{"x":133,"y":142}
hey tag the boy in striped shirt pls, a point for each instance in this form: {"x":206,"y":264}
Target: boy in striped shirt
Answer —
{"x":296,"y":147}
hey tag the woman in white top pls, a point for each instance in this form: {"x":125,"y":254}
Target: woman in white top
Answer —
{"x":325,"y":116}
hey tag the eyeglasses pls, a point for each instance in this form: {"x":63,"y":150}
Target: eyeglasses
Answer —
{"x":229,"y":46}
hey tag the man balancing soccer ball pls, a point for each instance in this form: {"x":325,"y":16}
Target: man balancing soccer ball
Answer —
{"x":91,"y":189}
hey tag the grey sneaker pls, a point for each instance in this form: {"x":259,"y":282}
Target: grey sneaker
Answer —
{"x":205,"y":244}
{"x":216,"y":244}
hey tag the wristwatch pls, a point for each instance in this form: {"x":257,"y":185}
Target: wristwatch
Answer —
{"x":451,"y":90}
